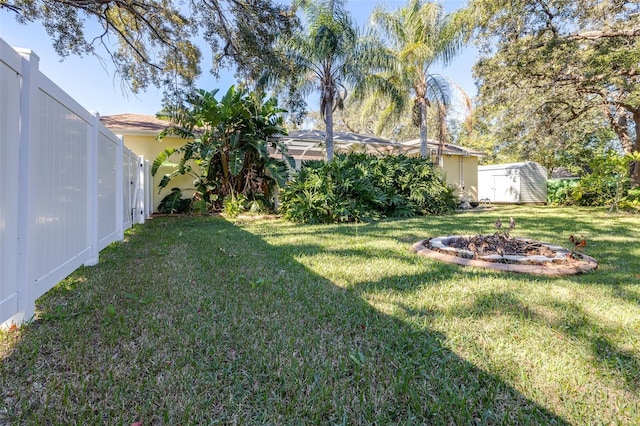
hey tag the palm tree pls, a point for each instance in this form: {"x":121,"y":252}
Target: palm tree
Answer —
{"x":422,"y":35}
{"x":331,"y":56}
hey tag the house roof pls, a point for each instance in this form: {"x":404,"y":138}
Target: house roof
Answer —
{"x":309,"y":144}
{"x":134,"y":124}
{"x":302,"y":144}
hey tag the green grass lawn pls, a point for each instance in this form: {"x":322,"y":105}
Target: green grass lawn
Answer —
{"x":201,"y":321}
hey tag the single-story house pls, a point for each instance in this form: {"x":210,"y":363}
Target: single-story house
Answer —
{"x":139,"y":133}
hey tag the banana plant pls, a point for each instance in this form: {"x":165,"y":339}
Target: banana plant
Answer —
{"x":232,"y":147}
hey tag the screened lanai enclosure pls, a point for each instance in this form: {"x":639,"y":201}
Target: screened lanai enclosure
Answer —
{"x":310,"y":144}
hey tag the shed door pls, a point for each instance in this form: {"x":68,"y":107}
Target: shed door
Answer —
{"x":505,"y":188}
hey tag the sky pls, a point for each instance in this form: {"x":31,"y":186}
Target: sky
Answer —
{"x":92,"y":82}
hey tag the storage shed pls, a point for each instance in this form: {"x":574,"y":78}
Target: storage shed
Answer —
{"x":513,"y":183}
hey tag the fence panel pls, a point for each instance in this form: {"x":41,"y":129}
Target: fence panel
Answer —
{"x":59,"y":242}
{"x":68,"y":188}
{"x":10,"y":83}
{"x":107,"y":187}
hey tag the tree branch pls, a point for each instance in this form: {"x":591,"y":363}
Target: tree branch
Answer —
{"x":595,"y":35}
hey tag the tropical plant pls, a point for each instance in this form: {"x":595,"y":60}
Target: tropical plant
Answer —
{"x":559,"y":191}
{"x":359,"y":187}
{"x":228,"y":152}
{"x":174,"y":203}
{"x":233,"y":205}
{"x":331,"y":55}
{"x":422,"y":35}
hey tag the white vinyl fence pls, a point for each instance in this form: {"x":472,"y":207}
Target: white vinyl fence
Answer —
{"x":68,"y":186}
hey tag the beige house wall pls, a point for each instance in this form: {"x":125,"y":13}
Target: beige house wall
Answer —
{"x":148,"y":146}
{"x":461,"y":173}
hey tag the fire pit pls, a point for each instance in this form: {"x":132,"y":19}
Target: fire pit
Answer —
{"x":501,"y":252}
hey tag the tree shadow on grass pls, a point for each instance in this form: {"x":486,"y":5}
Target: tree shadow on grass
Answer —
{"x":611,"y":242}
{"x":567,"y":319}
{"x":218,"y":326}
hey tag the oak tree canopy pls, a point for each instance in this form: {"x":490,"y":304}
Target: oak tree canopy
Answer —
{"x":561,"y":67}
{"x":152,"y":42}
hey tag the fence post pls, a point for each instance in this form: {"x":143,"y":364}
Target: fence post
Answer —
{"x":120,"y":188}
{"x":92,"y":192}
{"x":9,"y":167}
{"x":148,"y":196}
{"x":141,"y":191}
{"x":28,"y":123}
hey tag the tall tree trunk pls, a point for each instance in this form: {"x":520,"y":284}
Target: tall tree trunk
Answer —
{"x":635,"y":173}
{"x":620,"y":123}
{"x":635,"y":165}
{"x":442,"y":131}
{"x":423,"y":129}
{"x":328,"y":119}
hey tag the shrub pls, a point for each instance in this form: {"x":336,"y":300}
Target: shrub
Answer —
{"x":608,"y":184}
{"x":631,"y":201}
{"x":559,"y":191}
{"x":234,"y":204}
{"x":359,"y":187}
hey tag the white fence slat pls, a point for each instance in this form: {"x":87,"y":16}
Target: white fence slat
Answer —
{"x":92,"y":192}
{"x":120,"y":192}
{"x":66,"y":185}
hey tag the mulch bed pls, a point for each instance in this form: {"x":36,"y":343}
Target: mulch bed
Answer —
{"x":501,"y":244}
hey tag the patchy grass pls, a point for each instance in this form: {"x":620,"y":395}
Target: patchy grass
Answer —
{"x":200,"y":321}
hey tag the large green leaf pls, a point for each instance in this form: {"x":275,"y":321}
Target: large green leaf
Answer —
{"x":236,"y":162}
{"x":166,"y":179}
{"x":161,"y":159}
{"x":234,"y":140}
{"x":277,"y":171}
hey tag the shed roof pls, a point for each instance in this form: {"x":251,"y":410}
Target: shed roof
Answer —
{"x":517,"y":165}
